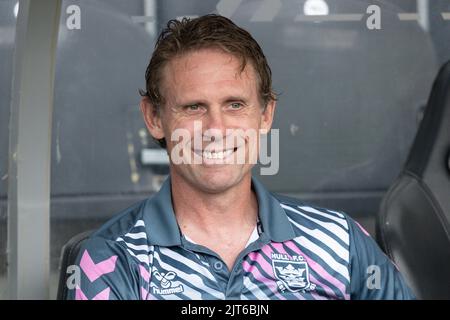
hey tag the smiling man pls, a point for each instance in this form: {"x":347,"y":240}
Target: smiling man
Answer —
{"x":213,"y":231}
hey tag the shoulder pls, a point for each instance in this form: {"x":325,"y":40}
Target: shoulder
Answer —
{"x":303,"y":216}
{"x":339,"y":240}
{"x":329,"y":226}
{"x":125,"y":234}
{"x":122,"y":223}
{"x":112,"y":261}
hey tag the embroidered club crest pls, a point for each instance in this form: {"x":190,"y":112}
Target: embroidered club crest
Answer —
{"x":292,"y":273}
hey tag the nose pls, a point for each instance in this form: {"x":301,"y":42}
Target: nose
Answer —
{"x":214,"y":123}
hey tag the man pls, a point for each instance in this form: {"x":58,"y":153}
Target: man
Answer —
{"x":213,"y":231}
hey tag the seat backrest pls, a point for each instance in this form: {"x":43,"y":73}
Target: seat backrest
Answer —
{"x":69,"y":254}
{"x":413,"y":224}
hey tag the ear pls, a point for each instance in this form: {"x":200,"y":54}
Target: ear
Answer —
{"x":267,"y":116}
{"x":152,"y":118}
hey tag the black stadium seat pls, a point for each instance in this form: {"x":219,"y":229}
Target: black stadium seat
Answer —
{"x":68,"y":255}
{"x":413,"y":225}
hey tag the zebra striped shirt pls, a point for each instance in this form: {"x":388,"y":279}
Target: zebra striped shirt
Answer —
{"x":297,"y":252}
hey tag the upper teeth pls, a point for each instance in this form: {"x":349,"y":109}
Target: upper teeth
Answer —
{"x":216,"y":154}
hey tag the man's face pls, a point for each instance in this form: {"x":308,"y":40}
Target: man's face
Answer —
{"x":206,"y":95}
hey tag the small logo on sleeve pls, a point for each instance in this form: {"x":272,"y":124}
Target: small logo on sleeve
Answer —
{"x":292,"y":273}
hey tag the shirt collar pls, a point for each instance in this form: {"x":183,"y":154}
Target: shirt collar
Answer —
{"x":162,"y":227}
{"x":273,"y":218}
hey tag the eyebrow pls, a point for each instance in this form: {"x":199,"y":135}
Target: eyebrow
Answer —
{"x":205,"y":103}
{"x":236,"y":98}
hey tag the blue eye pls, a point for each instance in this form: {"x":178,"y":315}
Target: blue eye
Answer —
{"x":236,"y":105}
{"x":192,"y":108}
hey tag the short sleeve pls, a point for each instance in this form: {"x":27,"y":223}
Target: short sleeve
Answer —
{"x":103,"y":271}
{"x":373,"y":276}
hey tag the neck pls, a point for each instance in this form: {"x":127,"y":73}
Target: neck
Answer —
{"x":226,"y":212}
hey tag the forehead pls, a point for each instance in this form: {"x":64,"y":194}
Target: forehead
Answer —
{"x":207,"y":69}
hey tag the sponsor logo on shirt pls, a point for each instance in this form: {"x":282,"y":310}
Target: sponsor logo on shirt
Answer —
{"x":292,"y":273}
{"x":166,"y":284}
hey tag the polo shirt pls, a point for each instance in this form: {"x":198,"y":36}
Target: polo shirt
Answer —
{"x":297,"y":251}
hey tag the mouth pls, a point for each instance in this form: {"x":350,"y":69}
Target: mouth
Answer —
{"x":215,"y":154}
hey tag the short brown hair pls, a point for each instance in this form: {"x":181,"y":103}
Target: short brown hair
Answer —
{"x":208,"y":31}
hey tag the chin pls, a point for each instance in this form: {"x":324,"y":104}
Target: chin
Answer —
{"x":218,"y":186}
{"x":216,"y":180}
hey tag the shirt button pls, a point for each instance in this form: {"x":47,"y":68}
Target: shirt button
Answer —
{"x":218,"y":265}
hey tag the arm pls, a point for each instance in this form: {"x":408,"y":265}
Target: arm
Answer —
{"x":373,"y":275}
{"x":103,"y":271}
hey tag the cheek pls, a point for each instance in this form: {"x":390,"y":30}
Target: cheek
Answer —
{"x":176,"y":128}
{"x":253,"y":121}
